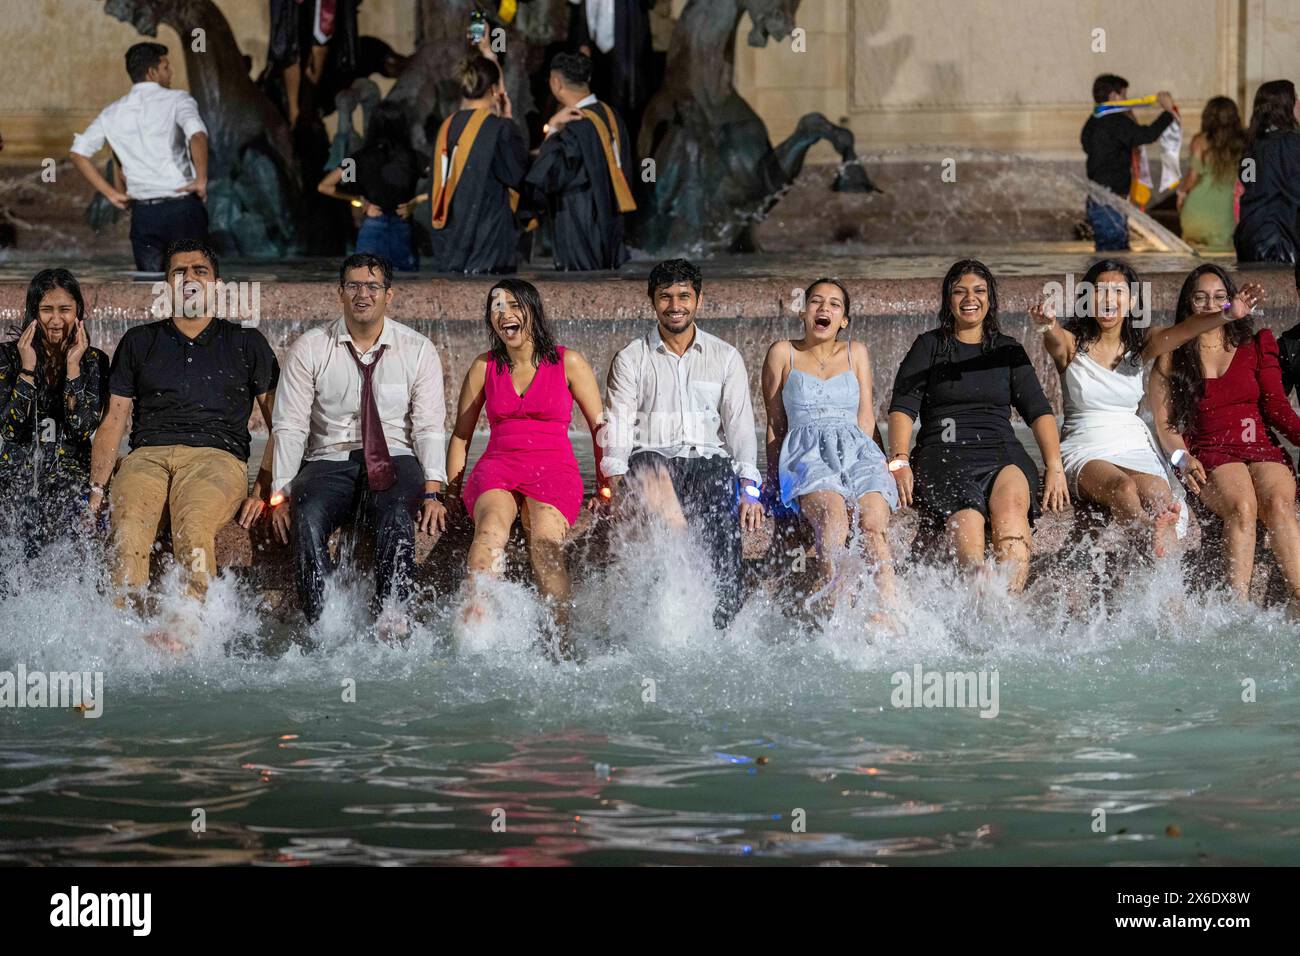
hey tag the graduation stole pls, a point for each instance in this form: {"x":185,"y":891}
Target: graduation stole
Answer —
{"x":622,"y":192}
{"x":448,"y":166}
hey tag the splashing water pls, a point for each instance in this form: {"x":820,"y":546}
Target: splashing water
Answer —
{"x":711,"y":741}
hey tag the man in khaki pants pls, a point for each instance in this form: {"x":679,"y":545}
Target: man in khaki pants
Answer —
{"x":187,"y":384}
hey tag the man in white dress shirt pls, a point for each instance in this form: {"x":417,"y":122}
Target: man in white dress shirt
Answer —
{"x":360,"y":408}
{"x":161,"y":146}
{"x":679,"y":408}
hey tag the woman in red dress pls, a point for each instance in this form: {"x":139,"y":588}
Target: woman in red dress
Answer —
{"x":528,"y":471}
{"x":1219,"y":399}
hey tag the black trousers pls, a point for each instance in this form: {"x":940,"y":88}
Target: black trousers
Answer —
{"x":324,"y":495}
{"x":155,"y":224}
{"x":706,"y":489}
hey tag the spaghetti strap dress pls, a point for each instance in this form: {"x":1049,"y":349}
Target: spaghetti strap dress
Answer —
{"x":529,"y":450}
{"x":1238,"y":411}
{"x":824,"y":448}
{"x":963,"y":394}
{"x":1102,"y":424}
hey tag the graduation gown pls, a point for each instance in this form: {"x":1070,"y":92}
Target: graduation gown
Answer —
{"x":478,"y":232}
{"x":574,"y":180}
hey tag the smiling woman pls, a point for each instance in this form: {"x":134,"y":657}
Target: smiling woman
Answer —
{"x":528,"y":385}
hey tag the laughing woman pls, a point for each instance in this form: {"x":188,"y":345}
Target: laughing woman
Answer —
{"x":820,"y":423}
{"x":1110,"y":455}
{"x":1219,"y":398}
{"x":53,"y":392}
{"x":969,"y":474}
{"x":528,"y":385}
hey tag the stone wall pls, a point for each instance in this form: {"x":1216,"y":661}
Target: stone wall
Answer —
{"x":900,"y":73}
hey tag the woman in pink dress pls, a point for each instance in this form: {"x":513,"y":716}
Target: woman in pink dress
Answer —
{"x":529,"y":385}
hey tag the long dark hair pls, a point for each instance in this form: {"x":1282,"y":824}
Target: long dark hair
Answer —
{"x":948,"y":321}
{"x":1225,"y":139}
{"x":1084,"y":326}
{"x":44,"y":282}
{"x":1186,"y":379}
{"x":526,"y":294}
{"x":388,"y":130}
{"x":1274,"y":106}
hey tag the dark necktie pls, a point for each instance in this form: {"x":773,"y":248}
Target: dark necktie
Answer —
{"x":379,"y":464}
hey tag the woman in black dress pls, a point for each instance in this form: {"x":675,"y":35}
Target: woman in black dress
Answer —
{"x":969,"y":475}
{"x":53,"y":392}
{"x":1270,"y":198}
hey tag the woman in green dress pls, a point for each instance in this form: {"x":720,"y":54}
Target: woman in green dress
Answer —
{"x":1205,"y":197}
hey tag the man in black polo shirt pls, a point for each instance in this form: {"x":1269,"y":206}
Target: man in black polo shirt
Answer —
{"x":188,"y":384}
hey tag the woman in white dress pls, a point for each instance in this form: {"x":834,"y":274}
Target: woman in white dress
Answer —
{"x":1110,"y":454}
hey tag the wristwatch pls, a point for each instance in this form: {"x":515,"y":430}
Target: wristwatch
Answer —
{"x":437,"y":496}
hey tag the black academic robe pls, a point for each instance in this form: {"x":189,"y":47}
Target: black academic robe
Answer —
{"x":571,"y":178}
{"x":481,"y":234}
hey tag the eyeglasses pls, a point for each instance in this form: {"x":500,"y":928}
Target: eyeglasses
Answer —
{"x":1202,"y":299}
{"x":354,"y":288}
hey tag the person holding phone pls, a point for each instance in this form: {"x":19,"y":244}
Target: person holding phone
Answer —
{"x":53,"y":392}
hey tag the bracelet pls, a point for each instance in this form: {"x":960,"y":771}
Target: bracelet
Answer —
{"x":434,"y":496}
{"x":97,"y":489}
{"x":898,"y":464}
{"x":1179,"y":458}
{"x":752,"y":491}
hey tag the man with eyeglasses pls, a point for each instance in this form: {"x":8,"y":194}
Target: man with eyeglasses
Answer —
{"x":360,"y":408}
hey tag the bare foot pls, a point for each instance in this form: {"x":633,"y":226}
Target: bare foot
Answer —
{"x":392,"y":627}
{"x":164,"y":640}
{"x":474,"y":611}
{"x":1165,"y":529}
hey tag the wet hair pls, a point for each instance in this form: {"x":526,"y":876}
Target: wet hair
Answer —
{"x":526,"y":294}
{"x":1107,"y":84}
{"x":1186,"y":379}
{"x":825,"y":280}
{"x":1225,"y":139}
{"x":371,"y":263}
{"x":177,"y":246}
{"x":388,"y":130}
{"x":1274,"y":106}
{"x":476,"y":76}
{"x":948,"y":321}
{"x":42,"y":284}
{"x":1086,"y":329}
{"x":672,"y":271}
{"x":575,"y":68}
{"x":143,"y":57}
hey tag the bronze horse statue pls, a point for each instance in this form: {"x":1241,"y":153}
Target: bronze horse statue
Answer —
{"x":253,"y":180}
{"x":716,"y":172}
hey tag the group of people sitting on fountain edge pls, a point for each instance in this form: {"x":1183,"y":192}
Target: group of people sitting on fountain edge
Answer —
{"x":358,"y":427}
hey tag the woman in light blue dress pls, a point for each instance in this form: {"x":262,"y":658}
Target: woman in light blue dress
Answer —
{"x":820,"y":428}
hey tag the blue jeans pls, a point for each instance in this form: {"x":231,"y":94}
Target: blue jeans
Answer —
{"x":1109,"y":227}
{"x":389,"y":236}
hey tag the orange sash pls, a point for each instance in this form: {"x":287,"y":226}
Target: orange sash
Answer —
{"x":447,"y":168}
{"x":622,"y":192}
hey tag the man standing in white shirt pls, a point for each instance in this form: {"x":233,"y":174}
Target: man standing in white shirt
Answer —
{"x":161,"y":146}
{"x":679,"y":408}
{"x":360,"y":407}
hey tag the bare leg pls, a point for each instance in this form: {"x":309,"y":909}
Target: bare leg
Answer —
{"x":1275,"y":488}
{"x":825,"y":513}
{"x":494,"y":516}
{"x":292,"y":90}
{"x":1009,"y":522}
{"x":1230,"y":494}
{"x":546,"y":528}
{"x":873,"y":523}
{"x":966,"y":538}
{"x":1159,"y":504}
